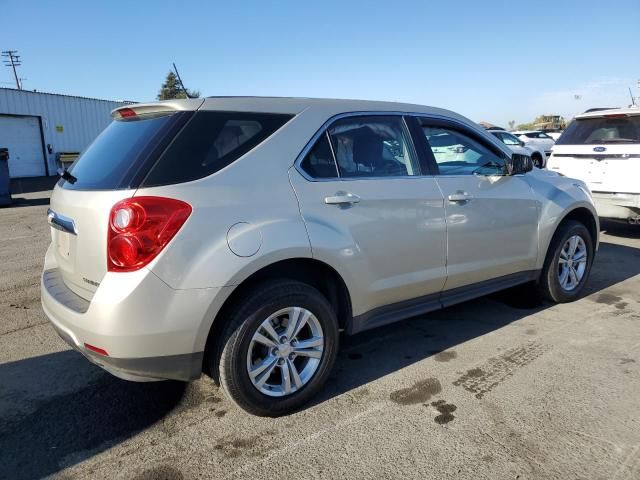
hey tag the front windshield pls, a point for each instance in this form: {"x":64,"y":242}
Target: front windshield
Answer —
{"x":509,"y":139}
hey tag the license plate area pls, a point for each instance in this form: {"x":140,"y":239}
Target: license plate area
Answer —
{"x":62,"y":242}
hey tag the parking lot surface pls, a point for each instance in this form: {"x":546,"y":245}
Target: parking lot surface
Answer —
{"x":500,"y":387}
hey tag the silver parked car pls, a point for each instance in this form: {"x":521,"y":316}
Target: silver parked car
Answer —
{"x":518,"y":146}
{"x":239,"y":236}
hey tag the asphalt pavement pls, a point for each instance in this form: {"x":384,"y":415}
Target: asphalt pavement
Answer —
{"x":499,"y":387}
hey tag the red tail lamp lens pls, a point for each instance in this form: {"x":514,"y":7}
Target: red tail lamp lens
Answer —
{"x":127,"y":113}
{"x":139,"y":228}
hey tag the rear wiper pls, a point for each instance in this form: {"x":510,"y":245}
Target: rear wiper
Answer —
{"x":66,"y":175}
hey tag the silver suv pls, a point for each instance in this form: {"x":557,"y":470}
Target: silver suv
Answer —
{"x":239,"y":236}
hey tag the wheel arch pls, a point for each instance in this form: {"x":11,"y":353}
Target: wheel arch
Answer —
{"x":583,"y":215}
{"x":313,"y":272}
{"x":587,"y":218}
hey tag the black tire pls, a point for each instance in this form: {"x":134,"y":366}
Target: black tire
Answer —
{"x":537,"y":160}
{"x":549,"y":286}
{"x":257,"y":305}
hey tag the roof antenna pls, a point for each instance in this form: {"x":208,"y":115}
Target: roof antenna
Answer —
{"x":633,"y":100}
{"x":186,"y":92}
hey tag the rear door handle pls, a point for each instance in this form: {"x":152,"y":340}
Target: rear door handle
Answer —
{"x":459,"y":197}
{"x":342,"y":198}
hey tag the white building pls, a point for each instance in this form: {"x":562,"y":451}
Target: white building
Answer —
{"x":35,"y":127}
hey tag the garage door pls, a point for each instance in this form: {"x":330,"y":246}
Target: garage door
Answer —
{"x":21,"y":135}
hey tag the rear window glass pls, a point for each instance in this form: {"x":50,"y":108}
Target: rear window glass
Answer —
{"x":589,"y":131}
{"x":319,"y":161}
{"x":210,"y":142}
{"x":169,"y":148}
{"x":116,"y":155}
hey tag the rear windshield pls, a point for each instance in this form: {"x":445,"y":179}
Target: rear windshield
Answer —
{"x":599,"y":130}
{"x":116,"y":155}
{"x":170,"y":148}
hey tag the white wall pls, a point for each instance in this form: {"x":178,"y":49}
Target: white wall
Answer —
{"x":82,"y":119}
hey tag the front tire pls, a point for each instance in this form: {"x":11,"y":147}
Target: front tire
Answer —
{"x":568,"y":263}
{"x":278,"y":348}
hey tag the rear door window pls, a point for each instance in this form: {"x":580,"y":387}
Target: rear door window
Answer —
{"x":373,"y":146}
{"x":589,"y":131}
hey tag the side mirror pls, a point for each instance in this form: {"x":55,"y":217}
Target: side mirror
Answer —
{"x":519,"y":164}
{"x":522,"y":144}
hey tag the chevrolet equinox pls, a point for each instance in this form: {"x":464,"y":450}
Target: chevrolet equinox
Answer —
{"x":239,"y":236}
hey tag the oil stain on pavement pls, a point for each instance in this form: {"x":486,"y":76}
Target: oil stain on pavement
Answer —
{"x":420,"y":392}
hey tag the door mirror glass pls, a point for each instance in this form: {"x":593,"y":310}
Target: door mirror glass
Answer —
{"x":519,"y":164}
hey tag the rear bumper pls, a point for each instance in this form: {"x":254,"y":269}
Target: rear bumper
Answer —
{"x":619,"y":206}
{"x":149,"y":330}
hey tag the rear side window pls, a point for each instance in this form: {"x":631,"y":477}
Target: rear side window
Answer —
{"x":210,"y":142}
{"x":589,"y":131}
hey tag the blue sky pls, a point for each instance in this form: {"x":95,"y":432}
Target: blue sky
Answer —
{"x":495,"y":61}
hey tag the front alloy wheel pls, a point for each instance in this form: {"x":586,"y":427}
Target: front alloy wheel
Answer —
{"x":572,"y":263}
{"x":568,"y":262}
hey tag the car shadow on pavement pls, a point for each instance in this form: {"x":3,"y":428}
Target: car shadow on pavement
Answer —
{"x":620,"y":229}
{"x":57,"y":410}
{"x":28,"y":202}
{"x":373,"y":354}
{"x":49,"y":425}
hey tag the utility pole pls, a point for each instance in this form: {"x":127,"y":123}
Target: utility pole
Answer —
{"x":13,"y":61}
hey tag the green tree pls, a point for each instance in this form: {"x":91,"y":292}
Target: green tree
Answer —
{"x":171,"y":88}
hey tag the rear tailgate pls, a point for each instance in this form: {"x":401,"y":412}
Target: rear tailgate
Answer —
{"x":81,"y":250}
{"x":108,"y":171}
{"x":610,"y":168}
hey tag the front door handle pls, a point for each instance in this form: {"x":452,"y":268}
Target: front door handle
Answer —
{"x":459,"y":197}
{"x":342,"y":198}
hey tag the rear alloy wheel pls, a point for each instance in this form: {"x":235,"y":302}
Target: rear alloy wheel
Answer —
{"x":285,"y":352}
{"x":568,"y":263}
{"x":278,"y":348}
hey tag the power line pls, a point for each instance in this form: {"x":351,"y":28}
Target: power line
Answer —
{"x":13,"y":61}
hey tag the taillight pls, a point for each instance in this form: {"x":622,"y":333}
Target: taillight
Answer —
{"x":127,"y":113}
{"x":139,"y":228}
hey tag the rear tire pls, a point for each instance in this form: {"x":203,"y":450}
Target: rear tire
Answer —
{"x":537,"y":160}
{"x":568,"y":263}
{"x":294,"y":373}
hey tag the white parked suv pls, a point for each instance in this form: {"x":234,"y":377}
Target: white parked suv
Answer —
{"x":518,"y":146}
{"x":239,"y":236}
{"x":602,"y":148}
{"x":536,"y":139}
